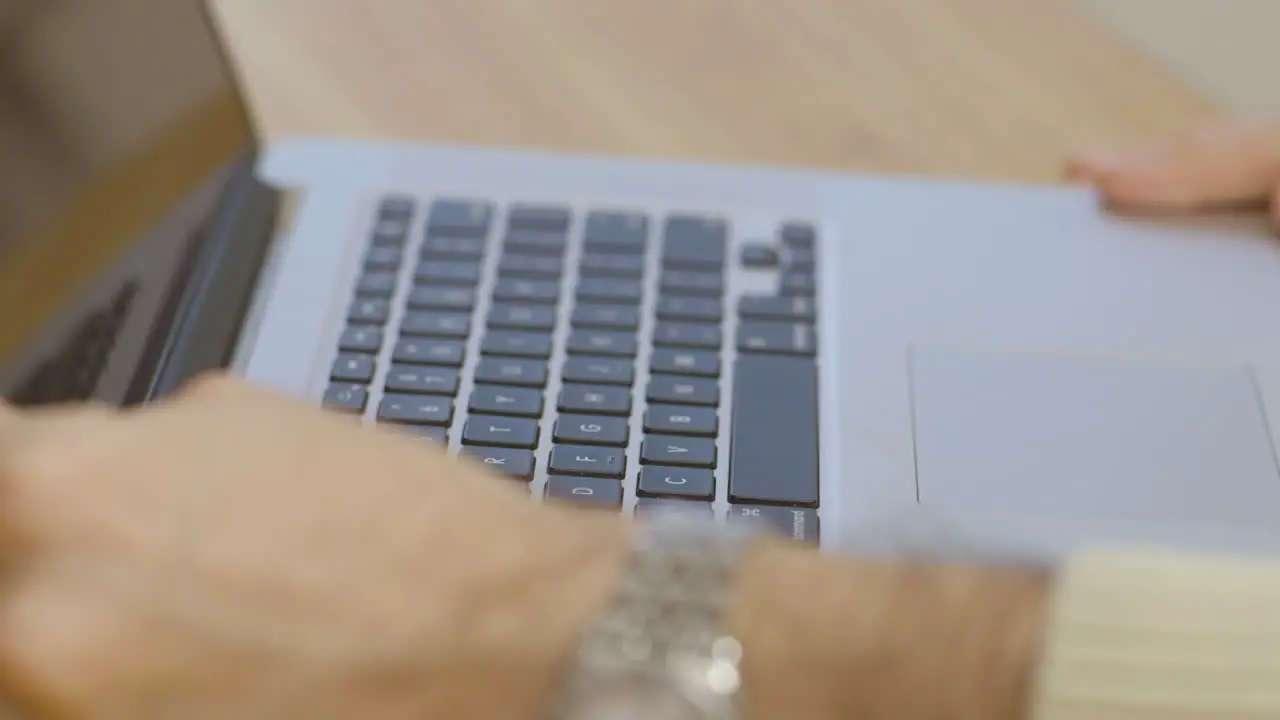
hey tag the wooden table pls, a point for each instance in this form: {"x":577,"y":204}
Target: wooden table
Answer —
{"x":990,"y":89}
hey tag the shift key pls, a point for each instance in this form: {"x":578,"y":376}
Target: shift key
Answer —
{"x":773,"y":447}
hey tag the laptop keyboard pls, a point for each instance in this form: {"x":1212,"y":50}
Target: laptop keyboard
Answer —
{"x":71,"y":374}
{"x":599,"y":358}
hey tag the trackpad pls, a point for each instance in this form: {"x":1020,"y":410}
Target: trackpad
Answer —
{"x":1092,"y":438}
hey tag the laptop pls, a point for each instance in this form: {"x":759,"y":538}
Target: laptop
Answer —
{"x":823,"y":351}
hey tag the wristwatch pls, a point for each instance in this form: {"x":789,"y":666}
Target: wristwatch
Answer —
{"x":661,"y":650}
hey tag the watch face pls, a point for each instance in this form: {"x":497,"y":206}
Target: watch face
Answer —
{"x":635,"y":699}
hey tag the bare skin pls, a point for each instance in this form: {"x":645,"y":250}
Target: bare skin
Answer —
{"x":233,"y":553}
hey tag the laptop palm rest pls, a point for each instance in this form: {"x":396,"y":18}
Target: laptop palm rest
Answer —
{"x":1092,"y":438}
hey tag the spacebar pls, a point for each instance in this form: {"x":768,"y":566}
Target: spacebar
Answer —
{"x":773,"y":446}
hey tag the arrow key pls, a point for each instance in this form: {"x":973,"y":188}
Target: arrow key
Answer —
{"x":682,"y":451}
{"x":495,"y":400}
{"x":504,"y":431}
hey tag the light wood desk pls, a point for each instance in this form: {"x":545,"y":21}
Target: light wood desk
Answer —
{"x":991,"y":89}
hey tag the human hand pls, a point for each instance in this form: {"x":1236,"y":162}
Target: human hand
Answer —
{"x":1215,"y":168}
{"x":233,"y":553}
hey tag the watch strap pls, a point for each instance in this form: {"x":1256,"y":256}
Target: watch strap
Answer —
{"x":665,"y":625}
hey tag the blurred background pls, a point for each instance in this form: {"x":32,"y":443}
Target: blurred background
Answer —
{"x":53,"y":75}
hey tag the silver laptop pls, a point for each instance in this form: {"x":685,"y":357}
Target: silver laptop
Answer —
{"x":822,"y":351}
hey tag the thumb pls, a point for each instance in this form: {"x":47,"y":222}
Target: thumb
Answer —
{"x":1213,"y":168}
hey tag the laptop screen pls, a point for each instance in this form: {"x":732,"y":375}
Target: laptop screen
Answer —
{"x":90,"y":87}
{"x":126,"y":198}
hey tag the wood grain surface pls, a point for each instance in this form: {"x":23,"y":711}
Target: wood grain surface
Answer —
{"x":982,"y":89}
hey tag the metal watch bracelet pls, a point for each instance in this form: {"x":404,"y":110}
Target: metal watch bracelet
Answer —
{"x":660,"y":650}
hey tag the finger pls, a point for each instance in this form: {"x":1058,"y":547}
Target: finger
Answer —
{"x":1214,"y":168}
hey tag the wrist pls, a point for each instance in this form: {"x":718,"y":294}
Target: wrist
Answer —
{"x":515,"y":636}
{"x":837,"y":637}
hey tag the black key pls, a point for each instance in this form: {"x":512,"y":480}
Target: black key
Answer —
{"x":360,"y":338}
{"x":372,"y":311}
{"x":798,"y":234}
{"x":420,"y":379}
{"x":345,"y":397}
{"x":616,"y":231}
{"x":390,"y":232}
{"x":676,"y":482}
{"x":383,"y":258}
{"x":447,"y":272}
{"x":536,"y":243}
{"x":609,"y":290}
{"x":441,"y":298}
{"x":794,"y":523}
{"x":539,"y":291}
{"x":594,"y":399}
{"x":773,"y":307}
{"x":614,"y":317}
{"x":512,"y":462}
{"x":759,"y":255}
{"x":590,"y":491}
{"x":376,"y":284}
{"x":459,"y":217}
{"x":798,"y":283}
{"x":673,"y":450}
{"x":694,"y":242}
{"x":432,"y":433}
{"x":518,"y":402}
{"x":683,"y":390}
{"x":511,"y":371}
{"x":685,"y":362}
{"x":539,"y":217}
{"x":421,"y":351}
{"x":504,"y":431}
{"x":605,"y":371}
{"x":436,"y":324}
{"x":396,"y":206}
{"x":800,"y":259}
{"x":529,"y":266}
{"x":672,"y":307}
{"x":646,"y":505}
{"x":773,"y":453}
{"x":611,"y":265}
{"x":591,"y":430}
{"x":353,"y":367}
{"x":519,"y":344}
{"x":416,"y":409}
{"x":522,"y":317}
{"x":694,"y":335}
{"x":452,"y":248}
{"x":776,"y":337}
{"x":688,"y":282}
{"x":587,"y":460}
{"x":602,"y":342}
{"x":681,"y":420}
